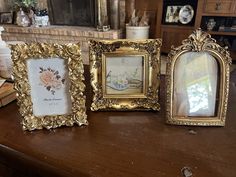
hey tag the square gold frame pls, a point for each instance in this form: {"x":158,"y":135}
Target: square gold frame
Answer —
{"x":71,"y":53}
{"x":199,"y":41}
{"x":150,"y":52}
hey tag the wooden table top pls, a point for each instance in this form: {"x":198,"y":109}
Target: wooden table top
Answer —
{"x":120,"y":144}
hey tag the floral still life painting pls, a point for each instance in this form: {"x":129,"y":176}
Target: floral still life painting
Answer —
{"x":127,"y":79}
{"x":51,"y":79}
{"x":49,"y":86}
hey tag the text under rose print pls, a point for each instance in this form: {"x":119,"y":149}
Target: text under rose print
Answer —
{"x":51,"y":79}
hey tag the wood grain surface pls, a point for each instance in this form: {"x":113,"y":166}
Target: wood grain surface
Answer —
{"x":119,"y":144}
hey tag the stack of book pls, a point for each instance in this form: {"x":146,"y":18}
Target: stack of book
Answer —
{"x":7,"y":93}
{"x":227,"y":29}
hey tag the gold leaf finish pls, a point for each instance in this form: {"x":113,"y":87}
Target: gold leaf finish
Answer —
{"x":149,"y":49}
{"x":71,"y":54}
{"x":196,"y":42}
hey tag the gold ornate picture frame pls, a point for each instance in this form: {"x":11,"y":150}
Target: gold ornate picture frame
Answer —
{"x":197,"y":82}
{"x":48,"y":79}
{"x":125,"y":74}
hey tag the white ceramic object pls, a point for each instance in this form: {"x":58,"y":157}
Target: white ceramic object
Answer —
{"x":41,"y":21}
{"x":2,"y":43}
{"x":5,"y":58}
{"x":22,"y":19}
{"x":137,"y":32}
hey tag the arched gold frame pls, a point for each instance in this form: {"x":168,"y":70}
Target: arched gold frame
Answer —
{"x":199,"y":41}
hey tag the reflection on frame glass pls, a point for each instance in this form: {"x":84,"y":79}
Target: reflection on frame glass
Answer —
{"x":125,"y":74}
{"x":197,"y":82}
{"x":196,"y":77}
{"x":49,"y":83}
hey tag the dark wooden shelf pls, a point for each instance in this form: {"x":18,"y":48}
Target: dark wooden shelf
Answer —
{"x":233,"y":55}
{"x":222,"y":33}
{"x":219,"y":15}
{"x":177,"y":26}
{"x":173,"y":35}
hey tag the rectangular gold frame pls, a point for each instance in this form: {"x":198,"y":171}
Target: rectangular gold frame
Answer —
{"x":199,"y":41}
{"x":150,"y":52}
{"x":21,"y":53}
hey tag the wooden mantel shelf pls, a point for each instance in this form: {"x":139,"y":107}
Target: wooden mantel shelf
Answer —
{"x":58,"y":34}
{"x":118,"y":144}
{"x":57,"y":30}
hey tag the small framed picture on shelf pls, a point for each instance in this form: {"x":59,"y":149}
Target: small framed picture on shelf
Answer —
{"x":49,"y":82}
{"x":125,"y":74}
{"x":179,"y":12}
{"x":6,"y":17}
{"x":172,"y":14}
{"x":186,"y":14}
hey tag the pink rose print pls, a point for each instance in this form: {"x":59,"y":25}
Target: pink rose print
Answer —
{"x":51,"y":79}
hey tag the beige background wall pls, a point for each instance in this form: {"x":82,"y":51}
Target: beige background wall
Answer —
{"x":42,"y":4}
{"x":5,"y":5}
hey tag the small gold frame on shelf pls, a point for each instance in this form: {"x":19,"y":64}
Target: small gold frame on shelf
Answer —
{"x":125,"y":74}
{"x":197,"y":82}
{"x":48,"y":79}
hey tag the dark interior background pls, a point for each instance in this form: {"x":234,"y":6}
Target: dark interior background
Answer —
{"x":72,"y":12}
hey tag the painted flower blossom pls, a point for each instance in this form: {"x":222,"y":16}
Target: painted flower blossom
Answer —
{"x":50,"y":79}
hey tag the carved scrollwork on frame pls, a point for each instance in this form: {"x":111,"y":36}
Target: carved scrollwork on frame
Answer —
{"x":204,"y":73}
{"x":125,"y":74}
{"x":42,"y":91}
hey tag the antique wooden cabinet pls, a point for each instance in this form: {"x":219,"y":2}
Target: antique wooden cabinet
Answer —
{"x":222,"y":12}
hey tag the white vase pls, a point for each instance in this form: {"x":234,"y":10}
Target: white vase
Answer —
{"x":41,"y":21}
{"x":137,"y":32}
{"x":5,"y":58}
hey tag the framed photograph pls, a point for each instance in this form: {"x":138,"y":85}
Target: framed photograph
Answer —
{"x":49,"y":81}
{"x":186,"y":14}
{"x":197,"y":82}
{"x":179,"y":12}
{"x":125,"y":74}
{"x":172,"y":14}
{"x":6,"y":17}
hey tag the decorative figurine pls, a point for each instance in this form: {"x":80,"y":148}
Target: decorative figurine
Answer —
{"x":211,"y":24}
{"x":22,"y":19}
